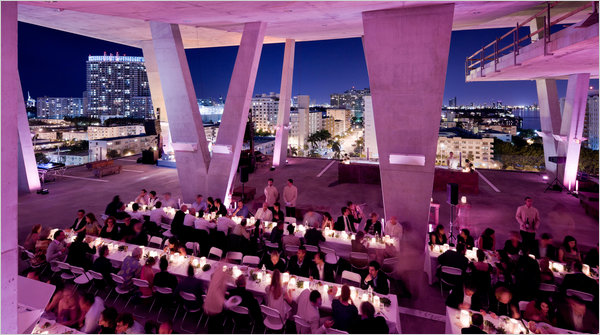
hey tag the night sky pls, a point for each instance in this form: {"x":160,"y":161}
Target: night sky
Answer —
{"x":52,"y":63}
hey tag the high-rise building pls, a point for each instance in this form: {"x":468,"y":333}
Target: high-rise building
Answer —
{"x":58,"y":108}
{"x":30,"y":101}
{"x":590,"y":130}
{"x":342,"y":115}
{"x":299,"y":123}
{"x":351,"y":99}
{"x":264,"y":111}
{"x":141,"y":107}
{"x":369,"y":124}
{"x":112,"y":83}
{"x":452,"y":102}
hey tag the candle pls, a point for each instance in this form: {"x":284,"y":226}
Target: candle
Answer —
{"x":353,"y":237}
{"x":268,"y":279}
{"x":465,"y":318}
{"x":286,"y":277}
{"x":344,"y":235}
{"x":292,"y":283}
{"x":326,"y":288}
{"x":224,"y":268}
{"x":586,"y":269}
{"x":259,"y":275}
{"x":365,"y":297}
{"x":373,"y":240}
{"x":305,"y":285}
{"x":376,"y":301}
{"x":172,"y":258}
{"x":195,"y":262}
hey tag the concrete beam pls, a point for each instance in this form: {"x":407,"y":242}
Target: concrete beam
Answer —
{"x":549,"y":121}
{"x":407,"y":61}
{"x":8,"y":173}
{"x":235,"y":114}
{"x":29,"y":179}
{"x":572,"y":125}
{"x":156,"y":93}
{"x":185,"y":126}
{"x":285,"y":96}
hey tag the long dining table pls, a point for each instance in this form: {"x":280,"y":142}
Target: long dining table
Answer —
{"x":385,"y":305}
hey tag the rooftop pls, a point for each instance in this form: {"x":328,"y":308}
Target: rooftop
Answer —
{"x":122,"y":137}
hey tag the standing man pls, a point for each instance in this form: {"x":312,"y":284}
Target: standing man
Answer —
{"x":528,"y":218}
{"x":271,"y":194}
{"x":290,"y":195}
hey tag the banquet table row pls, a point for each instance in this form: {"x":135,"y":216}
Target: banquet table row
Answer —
{"x":385,"y":305}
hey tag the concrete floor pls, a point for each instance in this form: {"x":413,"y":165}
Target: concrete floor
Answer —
{"x":561,"y":214}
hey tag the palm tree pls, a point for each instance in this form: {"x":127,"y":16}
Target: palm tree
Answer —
{"x":337,"y":149}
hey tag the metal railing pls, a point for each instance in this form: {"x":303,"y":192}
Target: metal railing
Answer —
{"x":491,"y":53}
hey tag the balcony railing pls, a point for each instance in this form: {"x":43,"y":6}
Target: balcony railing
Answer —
{"x":490,"y":54}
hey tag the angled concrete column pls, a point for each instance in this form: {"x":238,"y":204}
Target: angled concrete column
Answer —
{"x":285,"y":96}
{"x":8,"y":193}
{"x":407,"y":55}
{"x":29,"y":179}
{"x":156,"y":93}
{"x":227,"y":148}
{"x":185,"y":121}
{"x":549,"y":121}
{"x":571,"y":130}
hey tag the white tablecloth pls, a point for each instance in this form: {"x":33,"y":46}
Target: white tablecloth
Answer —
{"x":46,"y":326}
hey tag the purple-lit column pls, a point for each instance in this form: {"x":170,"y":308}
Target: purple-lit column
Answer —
{"x":285,"y":96}
{"x":29,"y":179}
{"x":226,"y":150}
{"x":185,"y":122}
{"x":549,"y":121}
{"x":571,"y":130}
{"x":9,"y":152}
{"x":407,"y":55}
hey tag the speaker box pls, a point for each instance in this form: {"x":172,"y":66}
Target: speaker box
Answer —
{"x":244,"y":174}
{"x":452,"y":189}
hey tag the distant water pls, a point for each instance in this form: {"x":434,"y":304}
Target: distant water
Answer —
{"x":531,"y":118}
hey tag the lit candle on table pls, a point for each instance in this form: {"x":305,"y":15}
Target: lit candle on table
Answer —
{"x":465,"y":318}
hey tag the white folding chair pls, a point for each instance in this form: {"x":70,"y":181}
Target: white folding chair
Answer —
{"x":81,"y":278}
{"x":155,"y":241}
{"x":251,"y":260}
{"x":581,"y":295}
{"x":240,"y":311}
{"x":302,"y":326}
{"x":451,"y":271}
{"x":289,"y":219}
{"x":272,"y":318}
{"x":96,"y":276}
{"x":311,"y":248}
{"x":234,"y":257}
{"x":66,"y":271}
{"x":549,"y":288}
{"x":351,"y":278}
{"x":523,"y":306}
{"x":216,"y":253}
{"x":359,"y":260}
{"x":189,"y":298}
{"x":291,"y":250}
{"x":167,"y":234}
{"x":334,"y":331}
{"x":119,"y":280}
{"x":194,"y":246}
{"x":389,"y":265}
{"x":162,"y":291}
{"x":271,"y":245}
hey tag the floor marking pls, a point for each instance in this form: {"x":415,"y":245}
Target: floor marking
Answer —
{"x":325,"y":169}
{"x":422,"y":314}
{"x":133,"y":170}
{"x":92,"y":179}
{"x":487,"y":181}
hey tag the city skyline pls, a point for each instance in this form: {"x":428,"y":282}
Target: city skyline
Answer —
{"x":62,"y":74}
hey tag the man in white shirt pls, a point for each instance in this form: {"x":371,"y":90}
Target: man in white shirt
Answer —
{"x":136,"y":214}
{"x":142,"y":198}
{"x":290,"y":195}
{"x":91,"y":307}
{"x":153,"y":199}
{"x":200,"y":223}
{"x":189,"y":218}
{"x":263,"y":213}
{"x":127,"y":325}
{"x":168,"y":201}
{"x":308,"y":309}
{"x":452,"y":161}
{"x":56,"y":248}
{"x":528,"y":218}
{"x":271,"y":194}
{"x":199,"y":205}
{"x":157,"y":214}
{"x":394,"y":229}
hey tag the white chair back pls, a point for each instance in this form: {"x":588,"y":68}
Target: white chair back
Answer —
{"x":194,"y":246}
{"x":95,"y":275}
{"x":302,"y":326}
{"x":331,"y":259}
{"x":547,"y":287}
{"x":63,"y":265}
{"x":335,"y":331}
{"x":523,"y":305}
{"x":353,"y":278}
{"x":451,"y":271}
{"x":271,"y":245}
{"x":289,"y":219}
{"x":77,"y":270}
{"x":311,"y":248}
{"x":234,"y":256}
{"x":117,"y":279}
{"x":239,"y":310}
{"x":163,"y":290}
{"x":270,"y":312}
{"x":155,"y":240}
{"x":140,"y":283}
{"x":581,"y":295}
{"x":328,"y":251}
{"x":187,"y":296}
{"x":251,"y":260}
{"x":216,"y":252}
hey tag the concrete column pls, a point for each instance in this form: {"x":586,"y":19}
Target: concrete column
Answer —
{"x":29,"y":179}
{"x":8,"y":174}
{"x":156,"y":93}
{"x":285,"y":96}
{"x":227,"y":148}
{"x":187,"y":132}
{"x":571,"y":130}
{"x":549,"y":121}
{"x":406,"y":51}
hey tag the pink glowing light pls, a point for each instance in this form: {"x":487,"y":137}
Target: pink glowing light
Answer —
{"x":545,"y":177}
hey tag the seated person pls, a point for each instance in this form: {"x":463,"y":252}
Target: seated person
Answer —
{"x":139,"y":236}
{"x":579,"y":281}
{"x":142,"y":198}
{"x":263,"y":213}
{"x":108,"y":321}
{"x":102,"y":264}
{"x":164,"y":278}
{"x":465,"y":297}
{"x":65,"y":305}
{"x":539,"y":310}
{"x":465,"y":238}
{"x":373,"y":225}
{"x":481,"y":273}
{"x":200,"y":205}
{"x":91,"y":308}
{"x":219,"y":208}
{"x":513,"y":245}
{"x":240,"y":230}
{"x":126,"y":228}
{"x":343,"y":310}
{"x":173,"y":246}
{"x":544,"y":248}
{"x":321,"y":270}
{"x":376,"y":279}
{"x":487,"y":240}
{"x":110,"y":229}
{"x":308,"y":309}
{"x":574,"y":315}
{"x":157,"y":214}
{"x":274,"y":262}
{"x":248,"y":299}
{"x":313,"y":236}
{"x":503,"y":304}
{"x":358,"y":244}
{"x":546,"y":275}
{"x":152,"y":199}
{"x":241,"y":210}
{"x":345,"y":222}
{"x":190,"y":218}
{"x":135,"y":214}
{"x":527,"y":276}
{"x":569,"y":252}
{"x":455,"y":259}
{"x":166,"y":327}
{"x":168,"y":201}
{"x":278,"y":215}
{"x":277,"y":233}
{"x":290,"y":238}
{"x":127,"y":325}
{"x":476,"y":326}
{"x":189,"y":284}
{"x":298,"y":264}
{"x":312,"y":221}
{"x":79,"y":250}
{"x":369,"y":323}
{"x":438,"y":236}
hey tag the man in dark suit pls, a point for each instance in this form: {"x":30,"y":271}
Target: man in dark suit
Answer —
{"x":455,"y":259}
{"x":579,"y":281}
{"x":345,"y":222}
{"x":274,"y":262}
{"x":460,"y":296}
{"x":376,"y":279}
{"x":298,"y":264}
{"x":544,"y":248}
{"x":313,"y":236}
{"x":248,"y":299}
{"x":321,"y":270}
{"x":79,"y":223}
{"x":476,"y":325}
{"x":574,"y":315}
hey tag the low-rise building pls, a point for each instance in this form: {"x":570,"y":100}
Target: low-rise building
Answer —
{"x":69,"y":158}
{"x":478,"y":150}
{"x":104,"y":148}
{"x":75,"y":136}
{"x":98,"y":132}
{"x":343,"y":115}
{"x":490,"y":133}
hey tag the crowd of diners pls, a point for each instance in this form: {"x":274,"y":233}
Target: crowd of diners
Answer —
{"x":92,"y":314}
{"x":500,"y":278}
